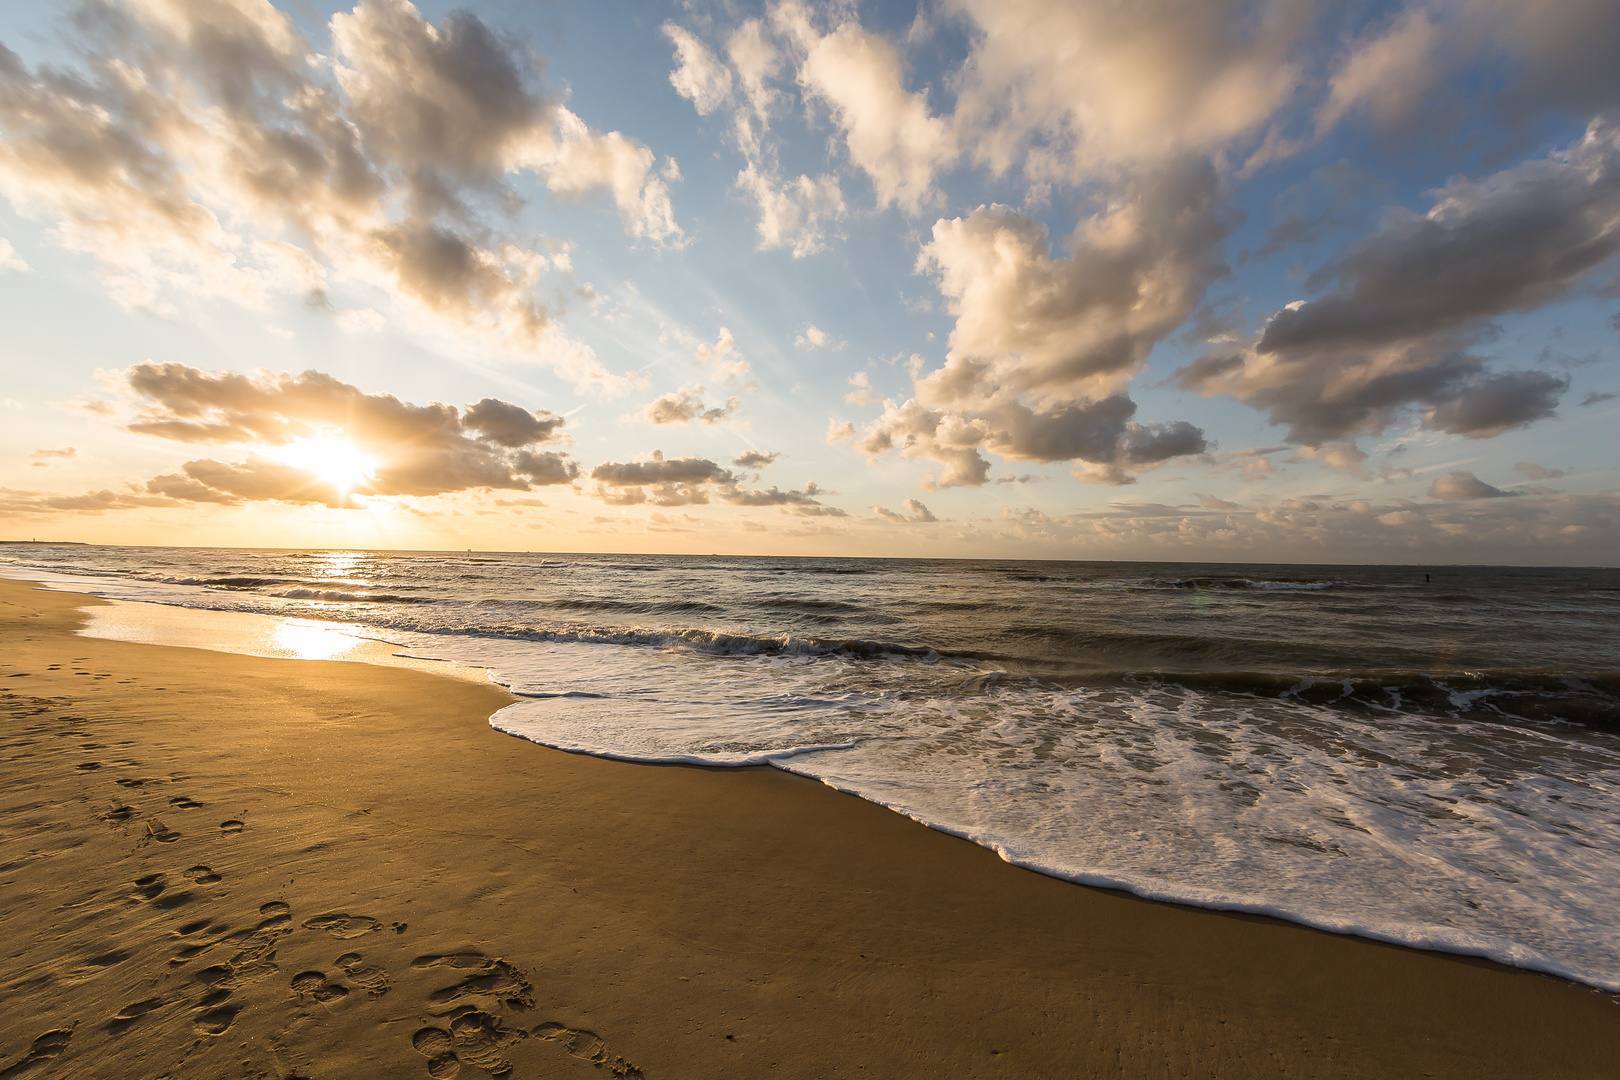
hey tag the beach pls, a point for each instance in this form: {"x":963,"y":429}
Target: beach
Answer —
{"x":220,"y":865}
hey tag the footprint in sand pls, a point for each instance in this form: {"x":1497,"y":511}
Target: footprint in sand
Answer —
{"x":214,"y":1021}
{"x":46,"y":1048}
{"x":314,"y":984}
{"x":342,"y":925}
{"x":87,"y":766}
{"x":160,"y":832}
{"x":183,"y":802}
{"x":477,"y":1038}
{"x":148,"y":887}
{"x":119,"y":814}
{"x":203,"y":875}
{"x":488,"y":978}
{"x":131,"y":1013}
{"x":274,"y":907}
{"x":373,"y":980}
{"x":231,"y":826}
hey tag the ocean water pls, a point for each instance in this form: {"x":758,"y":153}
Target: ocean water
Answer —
{"x":1427,"y":756}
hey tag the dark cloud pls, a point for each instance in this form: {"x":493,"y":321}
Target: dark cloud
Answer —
{"x":1597,"y":398}
{"x":1495,"y":403}
{"x":505,"y":424}
{"x":660,"y":470}
{"x":1205,"y":368}
{"x":1099,"y":434}
{"x":1408,"y":305}
{"x":1464,"y":485}
{"x":693,"y":481}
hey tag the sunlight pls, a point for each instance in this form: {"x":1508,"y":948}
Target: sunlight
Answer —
{"x":311,"y":641}
{"x":333,"y":458}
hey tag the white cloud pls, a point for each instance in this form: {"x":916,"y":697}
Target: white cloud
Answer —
{"x":723,"y":358}
{"x":10,"y":260}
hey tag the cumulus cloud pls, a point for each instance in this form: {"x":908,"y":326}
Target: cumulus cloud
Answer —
{"x":701,"y":77}
{"x":685,"y":406}
{"x":693,"y":481}
{"x":1461,"y":485}
{"x":755,"y":459}
{"x":399,"y":448}
{"x":209,"y":150}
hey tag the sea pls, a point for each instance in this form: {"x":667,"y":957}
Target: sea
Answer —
{"x":1428,"y":756}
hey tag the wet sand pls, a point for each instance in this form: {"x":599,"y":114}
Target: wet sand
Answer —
{"x":214,"y":865}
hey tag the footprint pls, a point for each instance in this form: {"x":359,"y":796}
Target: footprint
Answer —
{"x":373,"y":980}
{"x":131,"y":1013}
{"x":173,"y":900}
{"x":119,"y":814}
{"x":190,"y":928}
{"x":160,"y":832}
{"x":214,"y":1021}
{"x":341,"y":925}
{"x":479,"y":1038}
{"x":86,"y":766}
{"x":184,"y":803}
{"x":438,"y":1047}
{"x":202,"y":875}
{"x":315,"y":985}
{"x":274,"y":907}
{"x":231,"y":826}
{"x":587,"y":1046}
{"x":148,"y":887}
{"x":45,"y":1048}
{"x":490,"y":978}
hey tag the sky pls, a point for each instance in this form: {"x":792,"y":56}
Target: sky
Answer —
{"x":1216,"y":280}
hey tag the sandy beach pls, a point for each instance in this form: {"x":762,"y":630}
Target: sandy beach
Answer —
{"x":216,"y":865}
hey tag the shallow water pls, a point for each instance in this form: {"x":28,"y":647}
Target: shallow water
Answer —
{"x":1422,"y":755}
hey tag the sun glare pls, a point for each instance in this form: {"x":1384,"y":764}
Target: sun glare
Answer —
{"x":333,"y":458}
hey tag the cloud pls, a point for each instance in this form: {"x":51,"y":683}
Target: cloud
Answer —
{"x":43,"y":457}
{"x":10,"y":260}
{"x":862,"y":394}
{"x":692,"y":481}
{"x":1541,"y":472}
{"x":1062,"y":327}
{"x":1598,"y":398}
{"x":755,"y":459}
{"x":723,"y":358}
{"x":685,"y":406}
{"x":1464,"y":485}
{"x":701,"y":78}
{"x":889,"y":132}
{"x":815,"y":338}
{"x":795,"y":214}
{"x":1492,"y":404}
{"x":207,"y":150}
{"x":915,"y":513}
{"x":416,"y":449}
{"x":1408,"y":301}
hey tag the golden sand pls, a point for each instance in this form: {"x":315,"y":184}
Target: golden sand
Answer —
{"x":215,"y":866}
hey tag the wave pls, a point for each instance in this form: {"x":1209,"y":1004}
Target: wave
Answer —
{"x":636,"y":607}
{"x":302,"y":593}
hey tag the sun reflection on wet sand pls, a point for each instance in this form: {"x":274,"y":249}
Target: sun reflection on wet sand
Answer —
{"x":311,"y":641}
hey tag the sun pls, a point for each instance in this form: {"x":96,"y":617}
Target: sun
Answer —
{"x":333,"y":458}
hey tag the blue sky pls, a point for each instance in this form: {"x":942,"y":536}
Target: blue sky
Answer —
{"x":1215,"y":281}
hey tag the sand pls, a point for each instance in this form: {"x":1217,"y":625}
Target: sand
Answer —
{"x":214,"y":865}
